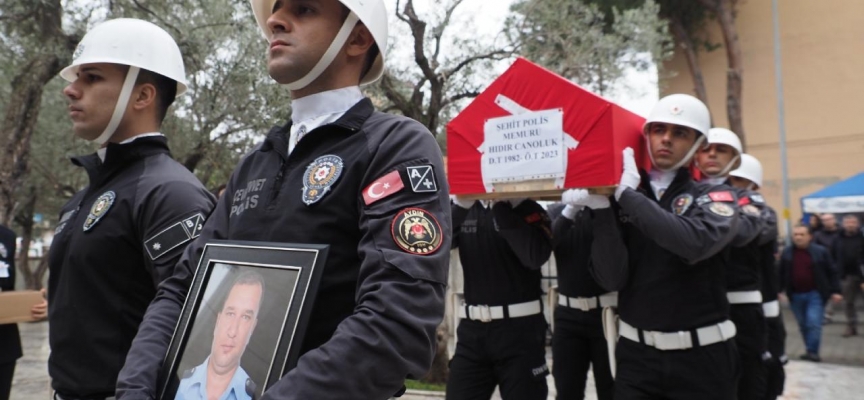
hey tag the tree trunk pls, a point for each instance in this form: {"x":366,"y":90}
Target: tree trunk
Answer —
{"x":25,"y":220}
{"x":725,"y":11}
{"x":685,"y":43}
{"x":19,"y":122}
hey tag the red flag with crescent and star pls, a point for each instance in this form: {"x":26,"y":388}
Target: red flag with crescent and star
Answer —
{"x":383,"y":187}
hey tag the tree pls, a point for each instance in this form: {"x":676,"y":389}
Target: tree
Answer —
{"x":48,"y":50}
{"x":427,"y":90}
{"x":724,"y":12}
{"x":578,"y":41}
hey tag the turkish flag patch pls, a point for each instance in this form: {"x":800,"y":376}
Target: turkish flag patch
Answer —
{"x":383,"y":187}
{"x":722,"y":196}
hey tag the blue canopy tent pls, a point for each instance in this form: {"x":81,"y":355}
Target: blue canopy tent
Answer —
{"x":846,"y":196}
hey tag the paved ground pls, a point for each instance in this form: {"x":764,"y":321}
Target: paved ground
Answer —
{"x":840,"y":377}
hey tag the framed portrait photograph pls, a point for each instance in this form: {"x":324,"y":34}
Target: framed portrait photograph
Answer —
{"x":243,"y":321}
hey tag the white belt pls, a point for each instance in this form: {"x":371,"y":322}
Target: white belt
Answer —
{"x":486,"y":313}
{"x":588,"y":303}
{"x":746,"y":297}
{"x":679,"y":340}
{"x":771,"y":309}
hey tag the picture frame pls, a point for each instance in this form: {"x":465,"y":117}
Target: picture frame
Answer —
{"x":245,"y":315}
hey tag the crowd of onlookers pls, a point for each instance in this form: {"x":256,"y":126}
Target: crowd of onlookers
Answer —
{"x":825,"y":266}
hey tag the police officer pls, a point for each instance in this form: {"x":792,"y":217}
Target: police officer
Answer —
{"x":757,"y":227}
{"x":118,"y":238}
{"x":502,"y":331}
{"x":749,"y":176}
{"x":339,"y":173}
{"x":578,"y":342}
{"x":660,"y":246}
{"x":10,"y":342}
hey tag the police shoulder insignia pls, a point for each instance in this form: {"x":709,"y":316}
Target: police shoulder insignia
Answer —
{"x":682,"y":203}
{"x":721,"y":209}
{"x":703,"y":199}
{"x":416,"y":231}
{"x":100,"y":207}
{"x":722,"y":196}
{"x":751,"y":210}
{"x":178,"y":233}
{"x":320,"y":175}
{"x":422,"y":179}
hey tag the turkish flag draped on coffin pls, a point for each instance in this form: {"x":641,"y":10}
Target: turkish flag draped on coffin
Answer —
{"x":595,"y":132}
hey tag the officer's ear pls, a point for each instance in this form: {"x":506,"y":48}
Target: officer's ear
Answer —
{"x":144,"y":96}
{"x":360,"y":41}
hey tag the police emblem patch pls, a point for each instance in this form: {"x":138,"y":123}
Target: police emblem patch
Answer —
{"x":416,"y":231}
{"x":320,"y":175}
{"x":682,"y":203}
{"x":100,"y":207}
{"x":721,"y":209}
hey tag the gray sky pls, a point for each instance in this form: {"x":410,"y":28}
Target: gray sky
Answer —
{"x":483,"y":18}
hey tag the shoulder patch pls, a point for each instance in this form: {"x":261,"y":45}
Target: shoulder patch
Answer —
{"x":100,"y":207}
{"x":682,"y":203}
{"x":722,"y":196}
{"x":703,"y":199}
{"x":174,"y":235}
{"x":751,"y":210}
{"x":383,"y":187}
{"x":721,"y":209}
{"x":422,"y":179}
{"x":416,"y":231}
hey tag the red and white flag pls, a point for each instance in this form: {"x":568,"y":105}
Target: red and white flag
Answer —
{"x":383,"y":187}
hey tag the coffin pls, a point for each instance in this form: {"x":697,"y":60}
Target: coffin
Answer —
{"x":532,"y":133}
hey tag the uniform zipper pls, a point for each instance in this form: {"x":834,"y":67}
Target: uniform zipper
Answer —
{"x":277,"y":186}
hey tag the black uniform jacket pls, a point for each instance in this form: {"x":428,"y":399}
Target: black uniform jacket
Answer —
{"x":378,"y":303}
{"x":10,"y":342}
{"x":502,"y":249}
{"x":116,"y":240}
{"x":768,"y":261}
{"x":665,"y":256}
{"x":573,"y":239}
{"x":757,"y":226}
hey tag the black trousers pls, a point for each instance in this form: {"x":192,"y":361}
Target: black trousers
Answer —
{"x":704,"y":373}
{"x":752,"y":342}
{"x":577,"y":344}
{"x":7,"y":371}
{"x":510,"y":353}
{"x":776,"y":376}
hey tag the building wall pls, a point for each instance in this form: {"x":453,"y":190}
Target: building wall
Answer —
{"x":823,"y":73}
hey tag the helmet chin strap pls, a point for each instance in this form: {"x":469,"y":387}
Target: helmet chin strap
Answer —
{"x":120,"y":108}
{"x":328,"y":56}
{"x":724,"y":172}
{"x":679,"y":164}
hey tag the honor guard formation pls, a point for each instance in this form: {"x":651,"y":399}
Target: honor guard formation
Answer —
{"x":667,"y":289}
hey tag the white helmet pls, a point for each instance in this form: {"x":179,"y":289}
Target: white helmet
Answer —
{"x":133,"y":42}
{"x":372,"y":13}
{"x":729,"y":138}
{"x":750,"y":169}
{"x":683,"y":110}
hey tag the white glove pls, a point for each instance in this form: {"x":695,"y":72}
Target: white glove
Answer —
{"x":630,"y":176}
{"x":461,"y":201}
{"x":579,"y":198}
